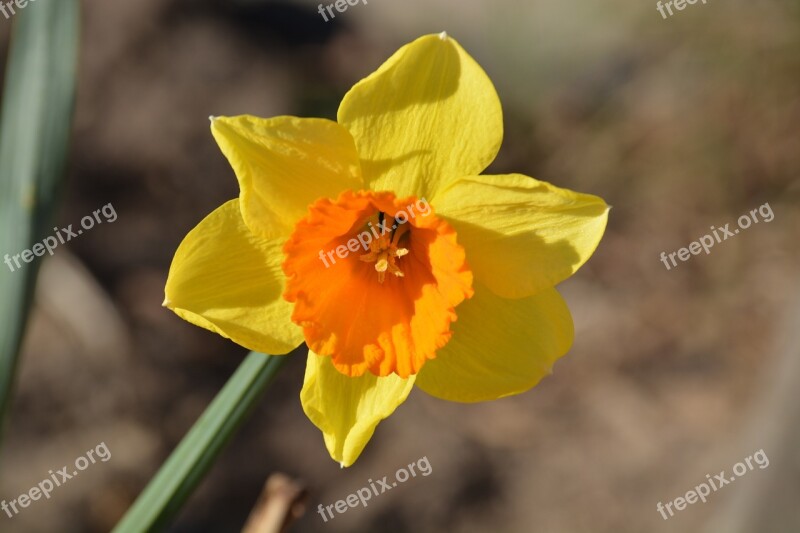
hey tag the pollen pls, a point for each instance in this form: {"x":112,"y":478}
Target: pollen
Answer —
{"x":385,"y":251}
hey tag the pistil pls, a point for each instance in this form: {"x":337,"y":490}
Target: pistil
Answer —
{"x":385,"y":250}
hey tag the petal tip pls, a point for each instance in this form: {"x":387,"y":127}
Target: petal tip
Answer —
{"x":443,"y":36}
{"x":166,"y":302}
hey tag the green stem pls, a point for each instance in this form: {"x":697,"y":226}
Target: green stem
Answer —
{"x":166,"y":493}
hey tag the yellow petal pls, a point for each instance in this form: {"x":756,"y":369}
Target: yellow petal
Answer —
{"x":499,"y":347}
{"x":522,"y":235}
{"x":427,"y":115}
{"x":283,"y":164}
{"x":228,"y":280}
{"x":346,"y":409}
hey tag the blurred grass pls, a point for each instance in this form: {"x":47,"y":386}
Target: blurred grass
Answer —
{"x":37,"y":107}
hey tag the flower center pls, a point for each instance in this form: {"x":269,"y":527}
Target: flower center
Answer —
{"x":363,"y":321}
{"x":385,"y":250}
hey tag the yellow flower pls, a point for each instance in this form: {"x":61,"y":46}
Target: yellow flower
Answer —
{"x":376,"y":241}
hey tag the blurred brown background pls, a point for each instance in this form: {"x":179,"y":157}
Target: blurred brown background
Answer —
{"x":680,"y":124}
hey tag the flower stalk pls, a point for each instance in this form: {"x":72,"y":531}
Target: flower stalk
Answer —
{"x":183,"y":471}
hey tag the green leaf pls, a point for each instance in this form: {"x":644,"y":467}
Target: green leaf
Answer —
{"x":38,"y":100}
{"x":166,"y":493}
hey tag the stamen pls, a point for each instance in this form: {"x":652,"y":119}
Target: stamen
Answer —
{"x":383,"y":263}
{"x":384,"y":250}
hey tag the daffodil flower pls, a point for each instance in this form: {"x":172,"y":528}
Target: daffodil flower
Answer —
{"x":458,"y":299}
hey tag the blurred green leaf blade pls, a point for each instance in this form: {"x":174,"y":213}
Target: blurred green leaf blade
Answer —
{"x":35,"y":123}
